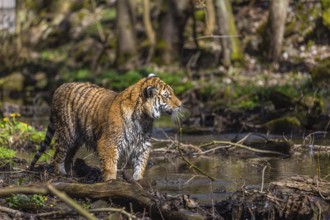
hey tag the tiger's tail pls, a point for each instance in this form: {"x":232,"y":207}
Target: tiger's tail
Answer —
{"x":45,"y":143}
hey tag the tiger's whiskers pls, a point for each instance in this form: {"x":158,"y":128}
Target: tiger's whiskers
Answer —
{"x":180,"y":114}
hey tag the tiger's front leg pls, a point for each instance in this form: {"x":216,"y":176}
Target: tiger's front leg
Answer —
{"x":108,"y":154}
{"x":140,"y":159}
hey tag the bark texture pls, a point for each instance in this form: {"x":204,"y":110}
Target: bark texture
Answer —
{"x":231,"y":46}
{"x":276,"y":27}
{"x":126,"y":41}
{"x":173,"y":18}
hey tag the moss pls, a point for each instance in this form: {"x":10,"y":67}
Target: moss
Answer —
{"x":109,"y":14}
{"x":119,"y":81}
{"x":6,"y":153}
{"x":199,"y":15}
{"x":77,"y":75}
{"x":236,"y":49}
{"x":326,"y":12}
{"x":286,"y":124}
{"x":12,"y":82}
{"x":321,"y":74}
{"x":55,"y":55}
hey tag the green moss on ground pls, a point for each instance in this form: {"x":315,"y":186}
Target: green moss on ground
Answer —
{"x":285,"y":124}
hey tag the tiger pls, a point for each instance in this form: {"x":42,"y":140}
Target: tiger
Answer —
{"x":117,"y":126}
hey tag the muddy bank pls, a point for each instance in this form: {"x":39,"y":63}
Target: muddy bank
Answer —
{"x":295,"y":198}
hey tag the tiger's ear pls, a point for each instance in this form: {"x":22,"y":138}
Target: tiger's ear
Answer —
{"x":149,"y":92}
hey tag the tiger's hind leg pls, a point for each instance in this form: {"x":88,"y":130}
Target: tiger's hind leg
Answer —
{"x":68,"y":162}
{"x":59,"y":158}
{"x":65,"y":151}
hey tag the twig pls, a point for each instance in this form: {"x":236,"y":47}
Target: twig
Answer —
{"x":22,"y":189}
{"x":212,"y":200}
{"x":245,"y":147}
{"x":14,"y":212}
{"x":193,"y":147}
{"x":214,"y":149}
{"x":122,"y":211}
{"x":221,"y":147}
{"x":53,"y":213}
{"x":318,"y":189}
{"x":70,"y":202}
{"x":185,"y":159}
{"x":217,"y":36}
{"x":263,"y":179}
{"x":311,"y":135}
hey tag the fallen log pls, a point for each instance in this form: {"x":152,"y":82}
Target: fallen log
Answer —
{"x":315,"y":185}
{"x":130,"y":193}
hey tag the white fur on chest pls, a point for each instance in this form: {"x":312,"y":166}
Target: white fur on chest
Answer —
{"x":132,"y":143}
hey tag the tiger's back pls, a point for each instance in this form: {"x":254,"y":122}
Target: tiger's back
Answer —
{"x":80,"y":111}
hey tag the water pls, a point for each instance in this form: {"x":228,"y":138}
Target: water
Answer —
{"x":172,"y":175}
{"x":175,"y":177}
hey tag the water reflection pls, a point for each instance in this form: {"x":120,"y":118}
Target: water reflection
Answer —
{"x":174,"y":175}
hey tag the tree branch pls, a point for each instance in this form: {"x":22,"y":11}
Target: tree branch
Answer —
{"x":70,"y":202}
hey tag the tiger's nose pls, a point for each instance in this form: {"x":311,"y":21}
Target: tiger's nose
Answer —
{"x":179,"y":104}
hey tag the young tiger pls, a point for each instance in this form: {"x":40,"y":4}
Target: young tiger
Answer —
{"x":117,"y":125}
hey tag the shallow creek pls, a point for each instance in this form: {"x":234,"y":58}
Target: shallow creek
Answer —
{"x":172,"y":175}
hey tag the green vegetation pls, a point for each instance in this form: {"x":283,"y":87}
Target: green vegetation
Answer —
{"x":21,"y":201}
{"x":284,"y":125}
{"x":326,"y":12}
{"x":11,"y":126}
{"x":16,"y":134}
{"x":321,"y":74}
{"x":119,"y":81}
{"x":6,"y":153}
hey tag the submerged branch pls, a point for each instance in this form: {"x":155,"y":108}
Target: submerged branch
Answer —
{"x":185,"y":159}
{"x":228,"y":143}
{"x":219,"y":147}
{"x":250,"y":148}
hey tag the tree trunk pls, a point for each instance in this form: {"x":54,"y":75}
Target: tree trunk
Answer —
{"x":173,"y":19}
{"x":231,"y":46}
{"x":149,"y":30}
{"x":210,"y":17}
{"x":126,"y":53}
{"x":275,"y":29}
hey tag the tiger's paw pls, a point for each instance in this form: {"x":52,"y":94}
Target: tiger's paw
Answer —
{"x":107,"y":177}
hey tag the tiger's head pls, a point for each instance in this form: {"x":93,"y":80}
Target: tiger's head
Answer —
{"x":159,"y":98}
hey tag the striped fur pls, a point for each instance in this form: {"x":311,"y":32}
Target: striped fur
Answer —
{"x":117,"y":125}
